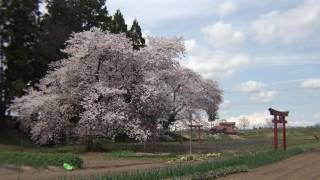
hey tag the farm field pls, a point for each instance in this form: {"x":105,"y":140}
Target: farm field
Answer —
{"x":305,"y":166}
{"x":159,"y":90}
{"x":129,"y":157}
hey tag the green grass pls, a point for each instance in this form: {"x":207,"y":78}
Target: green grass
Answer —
{"x":136,"y":155}
{"x":121,"y":154}
{"x":39,"y":159}
{"x":250,"y":160}
{"x":293,"y":134}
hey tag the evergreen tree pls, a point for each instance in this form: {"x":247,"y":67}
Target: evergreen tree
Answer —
{"x":136,"y":36}
{"x":93,"y":13}
{"x":213,"y":116}
{"x":65,"y":17}
{"x":2,"y":75}
{"x":19,"y":36}
{"x":118,"y":24}
{"x":29,"y":41}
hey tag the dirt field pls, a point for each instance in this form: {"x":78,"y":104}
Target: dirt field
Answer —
{"x":95,"y":165}
{"x":305,"y":166}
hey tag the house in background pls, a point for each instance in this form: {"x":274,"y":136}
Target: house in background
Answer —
{"x":225,"y":128}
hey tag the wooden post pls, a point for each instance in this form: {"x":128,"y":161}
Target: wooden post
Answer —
{"x":284,"y":133}
{"x":190,"y":141}
{"x":275,"y":140}
{"x":196,"y":127}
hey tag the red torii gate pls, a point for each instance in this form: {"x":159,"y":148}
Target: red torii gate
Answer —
{"x":279,"y":117}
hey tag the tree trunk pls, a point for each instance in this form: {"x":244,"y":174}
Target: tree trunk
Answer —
{"x":166,"y":125}
{"x":3,"y":124}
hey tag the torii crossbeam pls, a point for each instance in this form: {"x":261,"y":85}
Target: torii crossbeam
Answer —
{"x":279,"y":117}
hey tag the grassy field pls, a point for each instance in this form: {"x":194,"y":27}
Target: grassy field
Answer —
{"x":210,"y":169}
{"x":251,"y":149}
{"x":39,"y":159}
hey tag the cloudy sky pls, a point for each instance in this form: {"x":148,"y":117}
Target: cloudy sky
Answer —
{"x":263,"y":53}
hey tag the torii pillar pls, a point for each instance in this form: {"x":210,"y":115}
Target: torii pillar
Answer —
{"x":279,"y":117}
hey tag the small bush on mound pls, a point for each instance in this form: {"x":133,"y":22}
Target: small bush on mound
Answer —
{"x":40,"y":159}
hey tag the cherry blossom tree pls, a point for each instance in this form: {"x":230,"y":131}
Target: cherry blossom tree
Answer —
{"x":105,"y":88}
{"x":187,"y":92}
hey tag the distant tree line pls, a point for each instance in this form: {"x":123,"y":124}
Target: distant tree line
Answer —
{"x":30,"y":40}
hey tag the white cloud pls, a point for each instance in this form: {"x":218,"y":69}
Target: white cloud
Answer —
{"x":189,"y":45}
{"x":222,"y":35}
{"x":217,"y":59}
{"x":216,"y":64}
{"x":317,"y":116}
{"x":227,"y":8}
{"x":300,"y":123}
{"x":152,"y":14}
{"x":259,"y":119}
{"x":250,"y":86}
{"x":263,"y":96}
{"x":256,"y":119}
{"x":293,"y":25}
{"x":226,"y":104}
{"x":210,"y":60}
{"x":257,"y":88}
{"x":288,"y":60}
{"x":129,"y":22}
{"x":146,"y":33}
{"x":311,"y":83}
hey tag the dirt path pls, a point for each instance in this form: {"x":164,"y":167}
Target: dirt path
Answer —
{"x":304,"y":166}
{"x":95,"y":165}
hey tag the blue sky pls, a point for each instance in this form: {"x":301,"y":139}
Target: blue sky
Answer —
{"x":263,"y":53}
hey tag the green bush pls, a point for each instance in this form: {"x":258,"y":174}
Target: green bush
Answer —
{"x":40,"y":159}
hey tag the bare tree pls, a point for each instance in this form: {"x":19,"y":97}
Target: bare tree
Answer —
{"x":244,"y":123}
{"x":268,"y":123}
